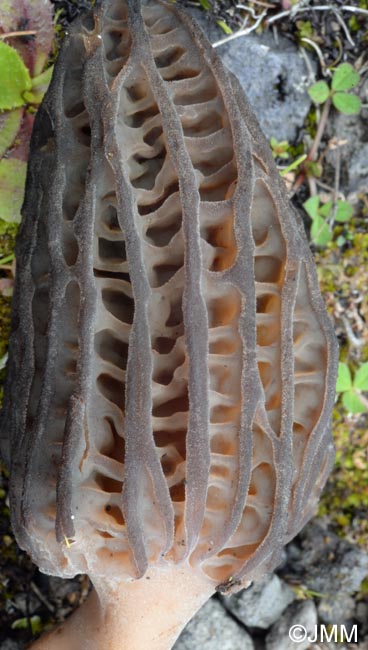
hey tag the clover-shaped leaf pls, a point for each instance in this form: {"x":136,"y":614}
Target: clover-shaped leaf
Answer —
{"x":344,"y":381}
{"x":319,"y":92}
{"x":346,"y":103}
{"x":345,"y":77}
{"x":320,"y":231}
{"x":352,"y":387}
{"x":361,"y":377}
{"x":352,"y":402}
{"x":344,"y":211}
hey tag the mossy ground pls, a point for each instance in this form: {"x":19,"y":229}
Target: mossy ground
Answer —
{"x":343,"y":276}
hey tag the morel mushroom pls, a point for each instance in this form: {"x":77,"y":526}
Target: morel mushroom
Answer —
{"x":171,"y":367}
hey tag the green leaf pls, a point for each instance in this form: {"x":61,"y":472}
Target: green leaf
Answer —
{"x":22,"y":624}
{"x":9,"y":127}
{"x":344,"y":211}
{"x":343,"y":378}
{"x":14,"y":78}
{"x":205,"y":4}
{"x":305,"y":28}
{"x":345,"y":103}
{"x":352,"y":402}
{"x":345,"y":77}
{"x":12,"y":182}
{"x":44,"y":78}
{"x":29,"y":97}
{"x":311,"y":206}
{"x":325,"y":209}
{"x":40,"y":85}
{"x":279,"y":149}
{"x":6,"y":260}
{"x":319,"y":92}
{"x":320,"y":232}
{"x":314,"y":168}
{"x":225,"y":27}
{"x":361,"y":377}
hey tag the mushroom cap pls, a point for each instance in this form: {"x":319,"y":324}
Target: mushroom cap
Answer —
{"x":172,"y":366}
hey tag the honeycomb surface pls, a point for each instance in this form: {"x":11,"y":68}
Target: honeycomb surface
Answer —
{"x":171,"y":372}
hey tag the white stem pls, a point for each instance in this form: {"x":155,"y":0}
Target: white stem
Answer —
{"x":143,"y":614}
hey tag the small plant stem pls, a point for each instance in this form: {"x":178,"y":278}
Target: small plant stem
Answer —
{"x":41,"y":597}
{"x":30,"y":32}
{"x":312,"y":186}
{"x":336,"y":187}
{"x":320,"y":130}
{"x":316,"y":142}
{"x":296,"y":10}
{"x":353,"y":340}
{"x":241,"y":32}
{"x":263,"y":4}
{"x":318,"y":51}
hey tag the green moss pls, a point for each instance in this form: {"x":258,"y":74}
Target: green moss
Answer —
{"x":345,"y":498}
{"x":343,"y":280}
{"x":311,"y":122}
{"x":5,"y":310}
{"x":8,"y":233}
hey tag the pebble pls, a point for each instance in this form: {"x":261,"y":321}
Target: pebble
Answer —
{"x":261,"y":604}
{"x":300,"y":618}
{"x":212,"y":629}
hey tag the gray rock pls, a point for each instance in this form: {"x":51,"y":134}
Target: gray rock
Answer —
{"x":363,"y":645}
{"x":261,"y":604}
{"x":211,"y":629}
{"x":332,"y":567}
{"x":275,"y":79}
{"x":273,"y":74}
{"x":299,"y":620}
{"x":361,"y":615}
{"x":336,"y":611}
{"x":352,"y":154}
{"x":358,"y":169}
{"x":25,"y":603}
{"x":9,"y":644}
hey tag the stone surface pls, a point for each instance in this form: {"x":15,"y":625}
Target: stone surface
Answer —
{"x":336,"y":611}
{"x":9,"y":644}
{"x":332,"y":567}
{"x":353,"y":154}
{"x":261,"y":604}
{"x":212,"y":629}
{"x":302,"y":615}
{"x":275,"y":82}
{"x":358,"y":169}
{"x":361,"y":615}
{"x":364,"y":644}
